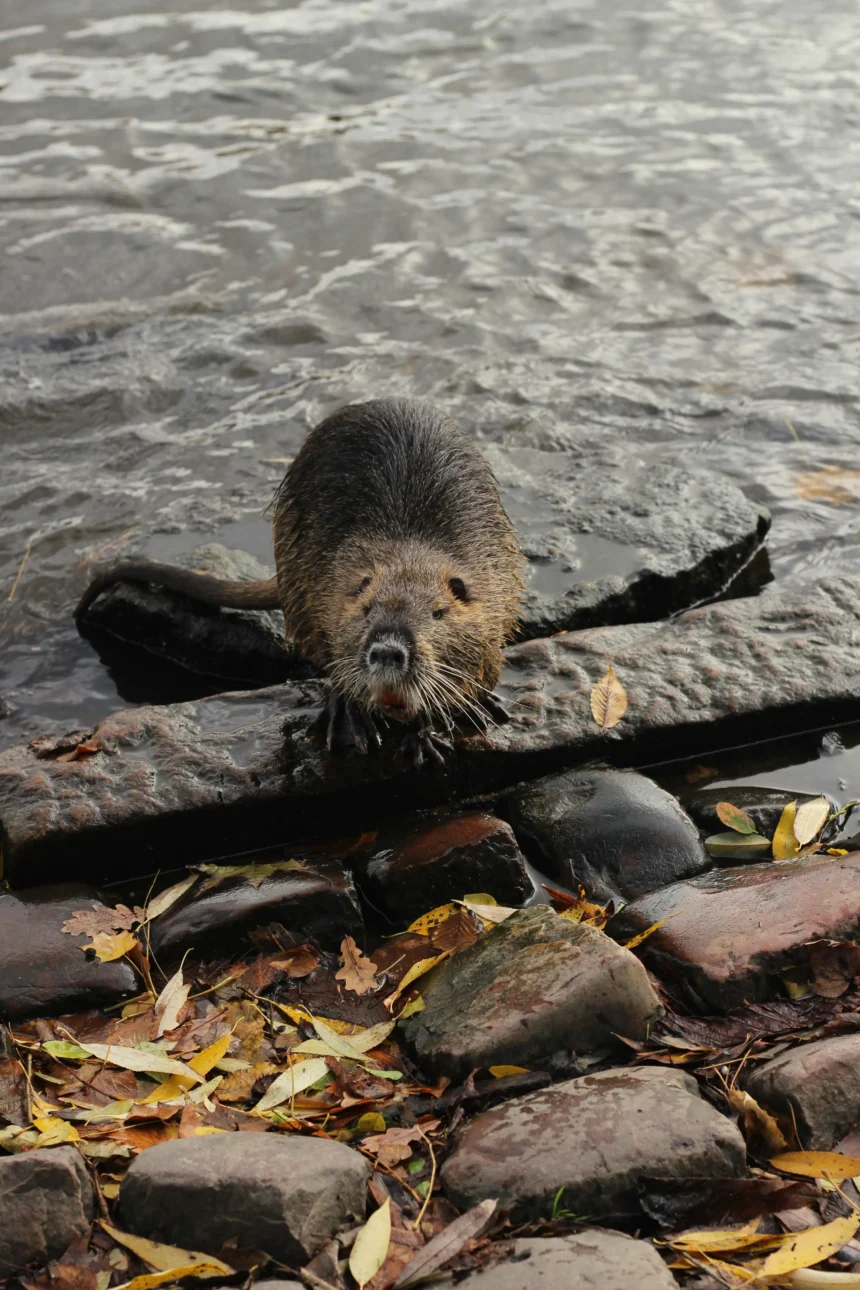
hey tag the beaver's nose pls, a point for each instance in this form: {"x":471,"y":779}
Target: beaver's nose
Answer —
{"x":388,"y":652}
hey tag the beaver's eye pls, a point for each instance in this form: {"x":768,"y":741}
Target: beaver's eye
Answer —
{"x":363,"y":585}
{"x":457,"y":588}
{"x":438,"y":613}
{"x":366,"y":610}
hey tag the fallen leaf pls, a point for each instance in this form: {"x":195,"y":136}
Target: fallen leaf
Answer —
{"x":371,"y":1245}
{"x":170,"y":1003}
{"x":434,"y":918}
{"x":834,"y":965}
{"x":817,"y":1164}
{"x":810,"y":819}
{"x":758,"y":1124}
{"x":256,"y":874}
{"x":358,"y":973}
{"x":499,"y":1072}
{"x":53,"y":1131}
{"x":370,"y":1122}
{"x":719,"y":1240}
{"x":835,"y":484}
{"x":295,"y":1079}
{"x":608,"y":700}
{"x":100,"y":918}
{"x":165,"y":1258}
{"x":394,"y":1145}
{"x":737,"y":846}
{"x":238,"y":1085}
{"x":110,"y":946}
{"x":414,"y":1005}
{"x":162,"y":902}
{"x":489,"y":913}
{"x":136,"y":1059}
{"x":208,"y":1058}
{"x":63,"y":1050}
{"x":734,"y":818}
{"x":785,"y":846}
{"x":803,"y":1249}
{"x":642,"y":936}
{"x":297,"y":963}
{"x":446,"y":1244}
{"x":683,"y":1202}
{"x":211,"y":1268}
{"x":417,"y":970}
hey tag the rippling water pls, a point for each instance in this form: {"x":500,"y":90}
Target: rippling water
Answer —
{"x":578,"y":221}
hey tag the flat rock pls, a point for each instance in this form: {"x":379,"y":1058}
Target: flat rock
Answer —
{"x":234,"y":645}
{"x":535,"y":985}
{"x":732,"y":933}
{"x":46,"y":1200}
{"x":281,"y":1194}
{"x":615,"y":832}
{"x":592,"y":1137}
{"x":608,"y":541}
{"x":237,"y":771}
{"x":43,"y":968}
{"x":763,"y":805}
{"x":414,"y":867}
{"x":592,"y":1260}
{"x":815,"y":1087}
{"x":315,"y":901}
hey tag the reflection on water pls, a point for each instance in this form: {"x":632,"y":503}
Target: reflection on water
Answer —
{"x":603,"y":224}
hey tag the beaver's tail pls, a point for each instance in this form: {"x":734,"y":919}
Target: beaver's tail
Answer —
{"x":198,"y":586}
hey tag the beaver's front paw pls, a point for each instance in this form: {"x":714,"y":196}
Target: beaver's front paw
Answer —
{"x":344,"y":724}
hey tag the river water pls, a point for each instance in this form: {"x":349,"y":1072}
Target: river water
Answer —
{"x":578,"y":221}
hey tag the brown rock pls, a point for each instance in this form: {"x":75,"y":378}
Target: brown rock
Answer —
{"x":815,"y":1087}
{"x":46,"y":1200}
{"x":417,"y":866}
{"x":732,"y":932}
{"x":43,"y":968}
{"x":232,"y":772}
{"x":533,"y":986}
{"x":592,"y":1137}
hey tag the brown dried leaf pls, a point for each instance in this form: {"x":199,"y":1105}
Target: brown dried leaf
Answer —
{"x":358,"y":973}
{"x":447,"y":1243}
{"x":608,"y":700}
{"x":237,"y":1086}
{"x":100,"y":918}
{"x":758,"y":1125}
{"x":835,"y":965}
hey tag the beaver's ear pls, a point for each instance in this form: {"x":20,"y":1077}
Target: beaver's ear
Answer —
{"x":459,"y":590}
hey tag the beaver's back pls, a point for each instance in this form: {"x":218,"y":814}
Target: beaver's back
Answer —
{"x":390,"y":470}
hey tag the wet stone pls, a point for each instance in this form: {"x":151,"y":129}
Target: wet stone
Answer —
{"x":615,"y":832}
{"x":592,"y":1260}
{"x":46,"y":1200}
{"x":732,"y":933}
{"x":608,"y":542}
{"x":815,"y":1087}
{"x":592,"y":1137}
{"x":536,"y":985}
{"x":763,"y":805}
{"x":42,"y":968}
{"x":315,"y":901}
{"x":236,"y":771}
{"x":233,"y":645}
{"x":278,"y":1193}
{"x":417,"y":866}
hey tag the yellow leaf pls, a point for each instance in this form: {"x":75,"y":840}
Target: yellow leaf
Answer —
{"x":109,"y":947}
{"x":638,"y":939}
{"x":427,"y":922}
{"x":718,"y":1240}
{"x":165,"y":1258}
{"x":170,"y":1003}
{"x":608,"y":700}
{"x":810,"y":1246}
{"x":371,"y":1122}
{"x":756,"y":1122}
{"x":135,"y":1059}
{"x":810,"y":819}
{"x":110,"y":1190}
{"x":418,"y":969}
{"x":165,"y":899}
{"x":784,"y":842}
{"x":479,"y":898}
{"x":371,"y":1246}
{"x":53,"y":1131}
{"x":489,"y":914}
{"x":414,"y":1005}
{"x":149,"y":1282}
{"x":211,"y":1056}
{"x":818,"y":1164}
{"x":203,"y":1130}
{"x":499,"y":1072}
{"x":295,"y":1079}
{"x":166,"y":1092}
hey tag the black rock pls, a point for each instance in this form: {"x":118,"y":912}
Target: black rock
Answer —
{"x":42,"y":968}
{"x":615,"y":832}
{"x":414,"y":867}
{"x":609,"y":541}
{"x":46,"y":1200}
{"x":310,"y":899}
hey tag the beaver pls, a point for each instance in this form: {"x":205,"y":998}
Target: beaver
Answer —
{"x":398,"y":572}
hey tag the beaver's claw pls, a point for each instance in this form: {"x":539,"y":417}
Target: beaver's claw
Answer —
{"x":496,"y":708}
{"x":344,"y":724}
{"x":425,"y":748}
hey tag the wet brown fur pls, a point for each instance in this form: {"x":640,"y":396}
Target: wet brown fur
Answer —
{"x":386,"y":503}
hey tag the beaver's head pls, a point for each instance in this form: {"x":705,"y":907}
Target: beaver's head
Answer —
{"x":411,"y":631}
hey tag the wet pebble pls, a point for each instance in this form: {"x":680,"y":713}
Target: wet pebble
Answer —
{"x":315,"y":901}
{"x":42,"y":968}
{"x":615,"y":832}
{"x":592,"y":1260}
{"x":535,"y":985}
{"x":815,"y":1087}
{"x":281,"y":1194}
{"x":731,"y":933}
{"x":415,"y":867}
{"x":592,"y":1137}
{"x":46,"y":1200}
